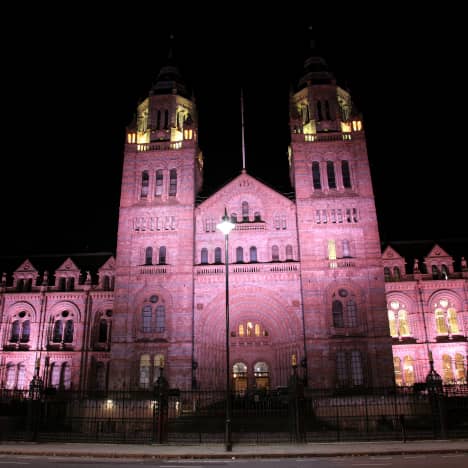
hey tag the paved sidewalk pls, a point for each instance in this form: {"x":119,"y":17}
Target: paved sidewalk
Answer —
{"x":216,"y":451}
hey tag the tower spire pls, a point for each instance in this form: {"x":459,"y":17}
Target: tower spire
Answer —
{"x":243,"y":140}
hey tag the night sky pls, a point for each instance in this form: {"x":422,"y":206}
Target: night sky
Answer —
{"x":73,"y":85}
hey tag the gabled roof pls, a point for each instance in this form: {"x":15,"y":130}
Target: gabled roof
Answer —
{"x":109,"y":265}
{"x":68,"y":265}
{"x":26,"y":267}
{"x":438,"y":252}
{"x":243,"y":184}
{"x":391,"y":254}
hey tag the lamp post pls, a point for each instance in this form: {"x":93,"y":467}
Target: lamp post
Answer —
{"x":226,"y":227}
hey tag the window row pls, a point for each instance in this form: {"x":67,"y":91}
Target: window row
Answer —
{"x":453,"y":370}
{"x":160,"y":223}
{"x":349,"y":368}
{"x":58,"y":375}
{"x":62,"y":283}
{"x":329,"y":168}
{"x":159,"y":257}
{"x":445,"y":317}
{"x":61,"y":329}
{"x":334,"y":216}
{"x":153,"y":315}
{"x":249,"y":329}
{"x":158,"y":183}
{"x":250,"y":256}
{"x":150,"y":369}
{"x":343,"y":252}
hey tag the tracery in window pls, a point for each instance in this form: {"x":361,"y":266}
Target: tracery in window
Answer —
{"x":398,"y":319}
{"x":446,"y":317}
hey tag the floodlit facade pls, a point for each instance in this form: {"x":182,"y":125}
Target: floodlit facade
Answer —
{"x":308,"y":284}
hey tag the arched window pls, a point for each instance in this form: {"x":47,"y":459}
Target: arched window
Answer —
{"x":162,"y":255}
{"x":397,"y":370}
{"x":331,"y":175}
{"x":345,"y":174}
{"x":234,"y":218}
{"x":257,"y":216}
{"x":275,"y":253}
{"x":346,"y":251}
{"x":217,"y":255}
{"x":166,"y":119}
{"x":387,"y":274}
{"x":316,"y":180}
{"x":15,"y":331}
{"x":239,"y":369}
{"x":57,"y":332}
{"x":147,"y":318}
{"x":408,"y":368}
{"x":337,"y":311}
{"x":160,"y":318}
{"x":158,"y":120}
{"x":70,"y":284}
{"x":253,"y":254}
{"x":68,"y":334}
{"x":452,"y":320}
{"x":460,"y":369}
{"x":357,"y":375}
{"x":204,"y":256}
{"x":102,"y":334}
{"x":241,"y":329}
{"x":21,"y":379}
{"x":435,"y":272}
{"x":10,"y":376}
{"x":149,"y":256}
{"x":245,"y":211}
{"x":441,"y":324}
{"x":55,"y":375}
{"x":158,"y":190}
{"x":392,"y":323}
{"x":341,"y":368}
{"x":66,"y":376}
{"x":145,"y":364}
{"x":403,"y":326}
{"x":240,"y":255}
{"x":158,"y":365}
{"x":144,"y":184}
{"x":289,"y":252}
{"x":172,"y":182}
{"x":352,"y":313}
{"x":396,"y":273}
{"x":445,"y":272}
{"x":447,"y":369}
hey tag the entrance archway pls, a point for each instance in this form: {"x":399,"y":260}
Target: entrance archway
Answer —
{"x":262,"y":375}
{"x":239,"y":374}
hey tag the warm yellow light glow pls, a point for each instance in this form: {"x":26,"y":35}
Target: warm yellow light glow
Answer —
{"x":357,"y":125}
{"x":345,"y":127}
{"x":131,"y":138}
{"x":293,"y":360}
{"x":331,"y":249}
{"x":109,"y":404}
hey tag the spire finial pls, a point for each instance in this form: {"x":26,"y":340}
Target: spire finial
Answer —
{"x":171,"y":45}
{"x":311,"y":39}
{"x":243,"y":140}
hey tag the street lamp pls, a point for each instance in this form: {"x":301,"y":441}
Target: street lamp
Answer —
{"x":226,"y":227}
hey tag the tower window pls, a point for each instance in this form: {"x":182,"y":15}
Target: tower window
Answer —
{"x":166,"y":119}
{"x":173,"y":183}
{"x":158,"y":120}
{"x":149,"y":256}
{"x":331,"y":175}
{"x":327,"y":110}
{"x":162,"y":255}
{"x":204,"y":256}
{"x":346,"y":174}
{"x":144,"y":184}
{"x":253,"y":254}
{"x":319,"y":111}
{"x":159,"y":183}
{"x":245,"y":211}
{"x":316,"y":176}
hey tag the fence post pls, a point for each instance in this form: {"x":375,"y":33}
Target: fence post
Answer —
{"x":296,"y":406}
{"x":34,"y":408}
{"x":161,"y":396}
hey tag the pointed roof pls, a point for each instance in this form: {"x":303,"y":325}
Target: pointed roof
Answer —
{"x":243,"y":184}
{"x":26,"y":267}
{"x":391,"y":254}
{"x":109,"y":265}
{"x":438,"y":253}
{"x":68,"y":265}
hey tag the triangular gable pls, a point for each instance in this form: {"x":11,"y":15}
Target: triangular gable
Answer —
{"x":244,"y":184}
{"x":109,"y":265}
{"x":68,"y":265}
{"x":26,"y":267}
{"x":391,"y":254}
{"x":439,"y":253}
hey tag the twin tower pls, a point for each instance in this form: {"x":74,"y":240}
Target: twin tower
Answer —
{"x":306,"y":283}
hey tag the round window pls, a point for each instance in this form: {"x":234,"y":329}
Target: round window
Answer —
{"x":343,"y":292}
{"x":65,"y":313}
{"x":154,"y":299}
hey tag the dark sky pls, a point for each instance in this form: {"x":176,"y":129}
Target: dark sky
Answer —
{"x":72,"y":85}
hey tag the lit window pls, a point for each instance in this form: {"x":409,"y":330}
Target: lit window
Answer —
{"x":145,"y":371}
{"x":460,"y":369}
{"x":397,"y":370}
{"x":447,"y":369}
{"x":408,"y":368}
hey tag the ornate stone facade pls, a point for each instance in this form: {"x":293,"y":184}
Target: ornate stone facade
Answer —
{"x":306,"y":275}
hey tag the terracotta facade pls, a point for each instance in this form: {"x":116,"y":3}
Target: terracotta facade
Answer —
{"x":308,"y":284}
